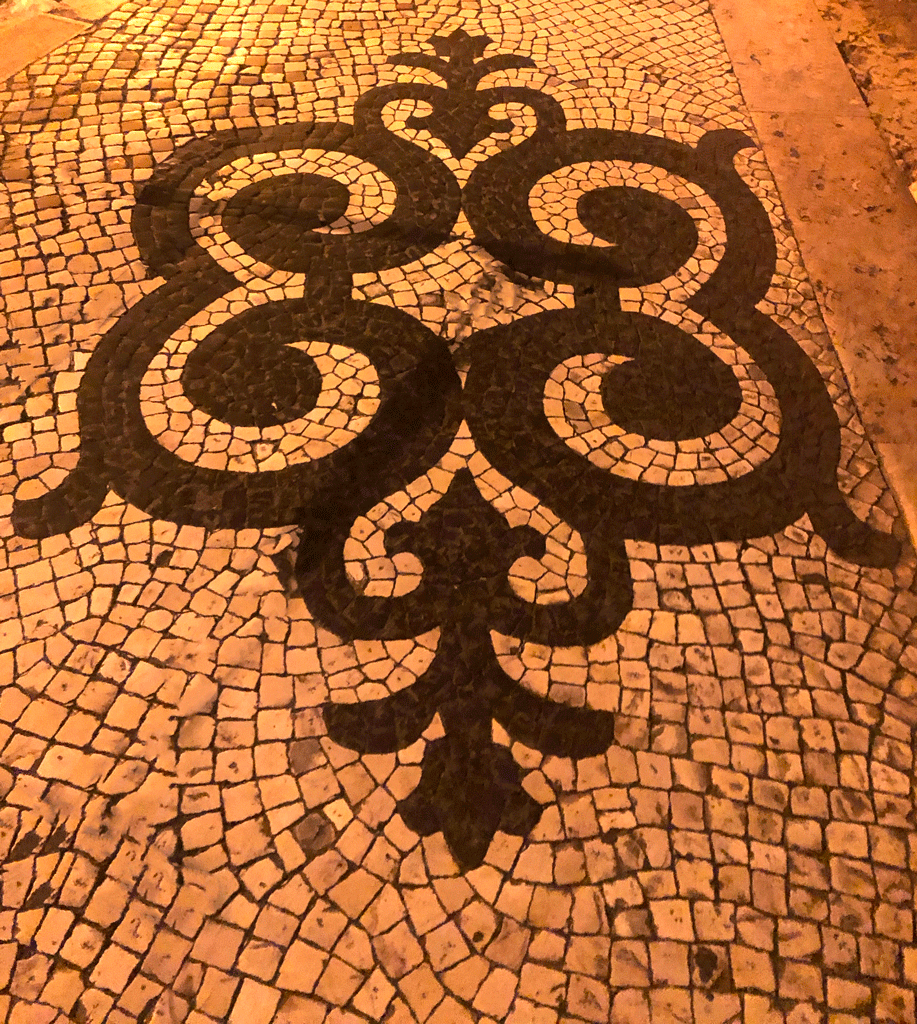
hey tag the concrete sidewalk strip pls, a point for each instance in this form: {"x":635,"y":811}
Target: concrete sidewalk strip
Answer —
{"x":90,"y":10}
{"x":878,"y":41}
{"x":28,"y":39}
{"x":850,"y":209}
{"x":457,"y":462}
{"x":785,"y":59}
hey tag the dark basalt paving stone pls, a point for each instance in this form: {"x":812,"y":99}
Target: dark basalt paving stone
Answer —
{"x":672,"y":390}
{"x":282,"y":210}
{"x":244,"y":373}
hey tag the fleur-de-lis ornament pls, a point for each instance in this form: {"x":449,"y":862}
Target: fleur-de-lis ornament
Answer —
{"x":252,"y":390}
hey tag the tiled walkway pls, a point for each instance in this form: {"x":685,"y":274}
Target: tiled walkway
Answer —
{"x":445,"y":577}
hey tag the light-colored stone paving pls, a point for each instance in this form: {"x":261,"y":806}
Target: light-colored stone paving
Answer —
{"x":182,"y":839}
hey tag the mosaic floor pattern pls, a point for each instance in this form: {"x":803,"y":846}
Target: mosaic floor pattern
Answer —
{"x":444,"y":576}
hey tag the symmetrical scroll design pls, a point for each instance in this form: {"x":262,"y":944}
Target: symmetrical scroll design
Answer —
{"x":252,"y":390}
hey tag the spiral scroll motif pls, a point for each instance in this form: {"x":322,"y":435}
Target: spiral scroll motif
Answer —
{"x":593,"y":410}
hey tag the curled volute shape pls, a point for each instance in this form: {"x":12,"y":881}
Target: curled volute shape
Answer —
{"x":460,"y":115}
{"x":801,"y":475}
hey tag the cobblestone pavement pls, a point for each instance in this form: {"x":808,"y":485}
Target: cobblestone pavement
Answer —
{"x":444,"y":576}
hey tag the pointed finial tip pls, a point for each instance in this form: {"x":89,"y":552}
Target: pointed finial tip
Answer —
{"x":459,"y":44}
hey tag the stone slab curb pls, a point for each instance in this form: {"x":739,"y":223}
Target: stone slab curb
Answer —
{"x":30,"y":37}
{"x":851,"y":210}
